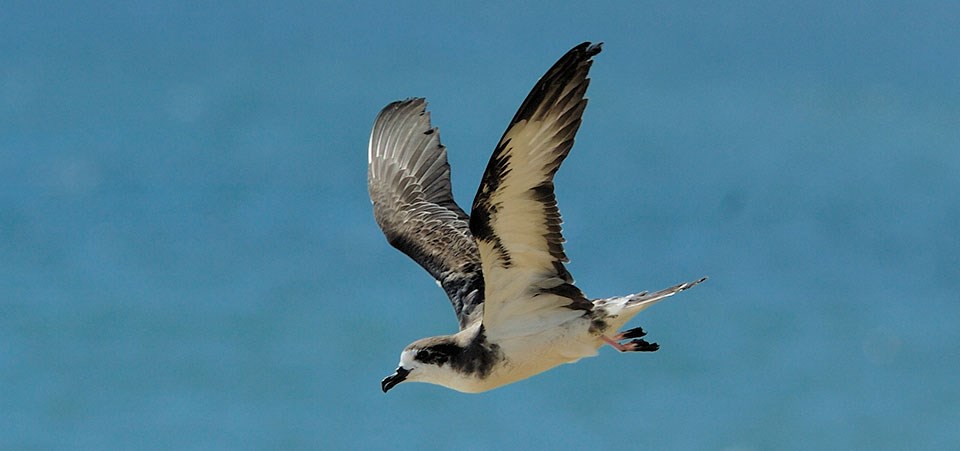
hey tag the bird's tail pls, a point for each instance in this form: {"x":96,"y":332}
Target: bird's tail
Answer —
{"x":643,"y":300}
{"x":621,"y":309}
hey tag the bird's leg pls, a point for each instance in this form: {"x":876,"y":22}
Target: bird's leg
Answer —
{"x":615,"y":344}
{"x":637,"y":345}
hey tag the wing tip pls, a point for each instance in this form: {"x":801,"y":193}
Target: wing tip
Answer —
{"x":591,"y":49}
{"x":405,"y":103}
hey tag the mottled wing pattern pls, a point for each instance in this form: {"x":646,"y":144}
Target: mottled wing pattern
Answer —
{"x":514,"y":216}
{"x":409,"y":182}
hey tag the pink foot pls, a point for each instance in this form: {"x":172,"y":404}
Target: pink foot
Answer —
{"x":637,"y":345}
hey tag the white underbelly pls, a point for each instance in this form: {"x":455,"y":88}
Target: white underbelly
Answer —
{"x":531,"y":355}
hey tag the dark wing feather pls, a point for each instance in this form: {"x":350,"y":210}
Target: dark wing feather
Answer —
{"x":514,"y":216}
{"x":409,"y":182}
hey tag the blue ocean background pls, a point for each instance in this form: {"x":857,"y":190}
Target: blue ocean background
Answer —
{"x":188,"y":258}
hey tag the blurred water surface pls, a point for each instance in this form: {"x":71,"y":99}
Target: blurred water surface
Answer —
{"x":189,"y":260}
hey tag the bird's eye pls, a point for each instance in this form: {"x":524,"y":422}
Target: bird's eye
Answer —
{"x":423,"y":355}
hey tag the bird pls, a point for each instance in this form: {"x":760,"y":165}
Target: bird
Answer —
{"x":501,"y":266}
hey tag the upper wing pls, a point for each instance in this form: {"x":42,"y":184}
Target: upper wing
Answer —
{"x":409,"y":182}
{"x":515,"y":217}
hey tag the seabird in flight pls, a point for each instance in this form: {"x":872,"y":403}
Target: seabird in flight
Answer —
{"x":503,"y":265}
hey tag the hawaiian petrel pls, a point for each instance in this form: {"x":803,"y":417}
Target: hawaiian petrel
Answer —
{"x":503,"y":266}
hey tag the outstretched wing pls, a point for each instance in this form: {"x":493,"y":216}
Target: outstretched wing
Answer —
{"x":515,"y":217}
{"x":409,"y":182}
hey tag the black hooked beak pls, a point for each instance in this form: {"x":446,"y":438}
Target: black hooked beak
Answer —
{"x":390,"y":381}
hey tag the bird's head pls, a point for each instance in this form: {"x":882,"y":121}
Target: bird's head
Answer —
{"x":430,"y":360}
